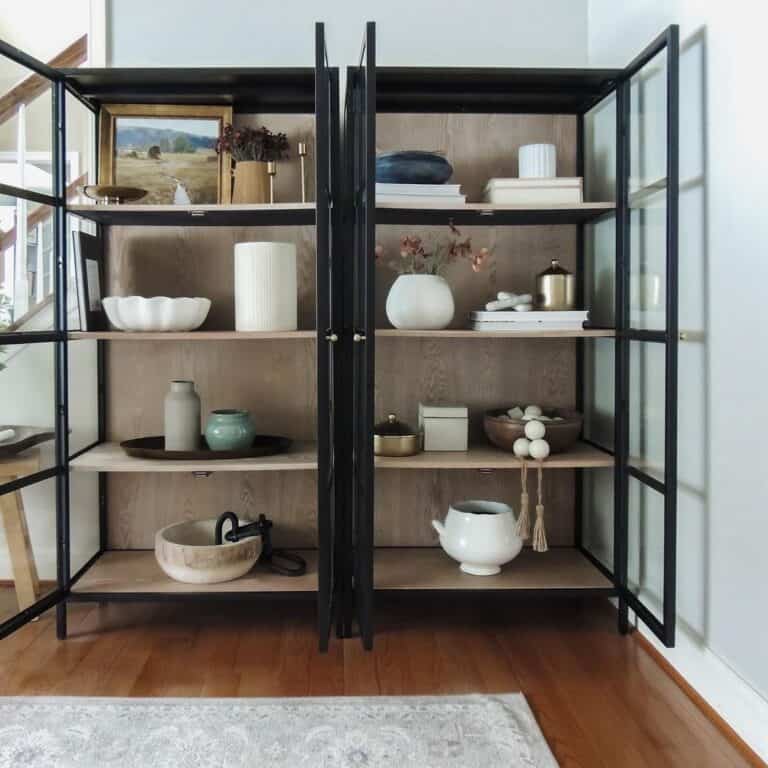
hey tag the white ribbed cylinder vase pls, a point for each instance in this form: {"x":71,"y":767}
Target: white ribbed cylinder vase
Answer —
{"x":265,"y":287}
{"x":537,"y":161}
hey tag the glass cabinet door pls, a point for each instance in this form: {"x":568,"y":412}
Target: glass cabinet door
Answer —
{"x":33,"y":423}
{"x":647,"y":320}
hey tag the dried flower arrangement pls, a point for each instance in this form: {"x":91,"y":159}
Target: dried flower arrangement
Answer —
{"x":415,"y":258}
{"x":252,"y":144}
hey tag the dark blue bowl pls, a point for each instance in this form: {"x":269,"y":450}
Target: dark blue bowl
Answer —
{"x":412,"y":167}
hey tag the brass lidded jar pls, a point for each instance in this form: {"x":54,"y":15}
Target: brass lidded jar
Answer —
{"x":555,"y":288}
{"x":395,"y":438}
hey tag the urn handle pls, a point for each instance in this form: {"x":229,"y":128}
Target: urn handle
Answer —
{"x":439,"y":527}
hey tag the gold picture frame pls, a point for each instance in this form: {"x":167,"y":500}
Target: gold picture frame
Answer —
{"x":191,"y":171}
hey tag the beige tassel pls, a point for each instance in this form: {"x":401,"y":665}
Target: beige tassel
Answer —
{"x":539,"y":534}
{"x":523,"y":529}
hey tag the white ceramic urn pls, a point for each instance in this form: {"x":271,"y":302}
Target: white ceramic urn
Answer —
{"x":265,"y":287}
{"x":420,"y":303}
{"x":480,"y":535}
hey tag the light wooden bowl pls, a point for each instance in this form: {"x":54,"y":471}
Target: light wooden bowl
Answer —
{"x":561,"y":435}
{"x":187,"y":552}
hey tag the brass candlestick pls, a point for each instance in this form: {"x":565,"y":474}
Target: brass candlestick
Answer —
{"x":272,"y":171}
{"x":302,"y":155}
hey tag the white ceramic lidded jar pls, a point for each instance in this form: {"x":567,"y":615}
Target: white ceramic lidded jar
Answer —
{"x":182,"y":417}
{"x":480,"y":535}
{"x":265,"y":287}
{"x":420,"y":303}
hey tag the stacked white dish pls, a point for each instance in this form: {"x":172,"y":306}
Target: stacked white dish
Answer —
{"x":426,"y":195}
{"x":530,"y":191}
{"x":490,"y":322}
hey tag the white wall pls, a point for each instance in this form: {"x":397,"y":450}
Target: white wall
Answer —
{"x":426,"y":32}
{"x":723,"y":524}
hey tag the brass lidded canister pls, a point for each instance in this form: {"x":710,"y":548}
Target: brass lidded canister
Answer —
{"x":394,"y":438}
{"x":555,"y":288}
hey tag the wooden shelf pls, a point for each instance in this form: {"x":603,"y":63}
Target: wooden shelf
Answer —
{"x":136,"y":572}
{"x":110,"y":457}
{"x":490,"y":215}
{"x":458,"y":333}
{"x":194,"y":335}
{"x":289,"y":214}
{"x":581,"y":456}
{"x":429,"y":568}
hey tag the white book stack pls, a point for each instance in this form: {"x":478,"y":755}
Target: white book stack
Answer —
{"x":559,"y":190}
{"x":490,"y":322}
{"x":426,"y":195}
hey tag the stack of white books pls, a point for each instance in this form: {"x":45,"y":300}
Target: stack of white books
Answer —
{"x":427,"y":195}
{"x":528,"y":321}
{"x":555,"y":191}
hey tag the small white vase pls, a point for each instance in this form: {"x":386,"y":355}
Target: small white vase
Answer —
{"x":182,"y":417}
{"x":537,"y":161}
{"x":265,"y":287}
{"x":420,"y":303}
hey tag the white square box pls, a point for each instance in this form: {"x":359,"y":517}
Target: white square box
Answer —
{"x":445,"y":426}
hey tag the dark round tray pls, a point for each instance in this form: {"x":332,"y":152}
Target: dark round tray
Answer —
{"x":154,"y":448}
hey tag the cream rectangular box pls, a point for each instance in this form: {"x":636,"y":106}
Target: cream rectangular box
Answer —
{"x":556,"y":191}
{"x":445,"y":426}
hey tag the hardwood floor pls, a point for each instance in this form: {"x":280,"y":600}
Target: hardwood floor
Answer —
{"x":599,"y":698}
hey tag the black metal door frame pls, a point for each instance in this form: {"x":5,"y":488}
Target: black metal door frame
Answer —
{"x":361,"y":138}
{"x":625,"y":334}
{"x":58,"y":337}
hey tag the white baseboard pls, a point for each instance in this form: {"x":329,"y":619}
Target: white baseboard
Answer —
{"x":740,"y":705}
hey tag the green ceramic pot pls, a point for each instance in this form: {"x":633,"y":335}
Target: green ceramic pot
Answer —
{"x":229,"y":430}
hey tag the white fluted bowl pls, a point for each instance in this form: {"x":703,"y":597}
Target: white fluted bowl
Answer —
{"x":158,"y":313}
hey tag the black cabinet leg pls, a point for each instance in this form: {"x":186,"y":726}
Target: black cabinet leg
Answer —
{"x":61,"y":620}
{"x":623,"y":616}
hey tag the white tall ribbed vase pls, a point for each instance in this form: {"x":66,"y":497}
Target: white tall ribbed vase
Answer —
{"x":265,"y":287}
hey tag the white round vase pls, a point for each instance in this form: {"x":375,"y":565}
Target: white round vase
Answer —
{"x":265,"y":287}
{"x":420,"y":303}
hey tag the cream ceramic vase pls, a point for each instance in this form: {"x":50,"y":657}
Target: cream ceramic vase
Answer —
{"x":480,"y":535}
{"x":265,"y":287}
{"x":182,"y":417}
{"x":420,"y":303}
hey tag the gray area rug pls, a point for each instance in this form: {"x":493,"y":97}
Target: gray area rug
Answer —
{"x":381,"y":732}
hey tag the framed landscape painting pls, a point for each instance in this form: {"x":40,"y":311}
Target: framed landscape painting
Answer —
{"x":169,"y":150}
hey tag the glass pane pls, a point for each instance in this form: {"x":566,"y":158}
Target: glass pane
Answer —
{"x":648,"y":124}
{"x":26,"y":134}
{"x":27,"y":547}
{"x":600,"y":271}
{"x":597,"y":514}
{"x":27,"y":409}
{"x":648,"y":261}
{"x":26,"y":265}
{"x":83,"y":518}
{"x":647,"y":398}
{"x":599,"y":389}
{"x":647,"y":195}
{"x":83,"y":394}
{"x":600,"y":151}
{"x":645,"y":560}
{"x":81,"y":146}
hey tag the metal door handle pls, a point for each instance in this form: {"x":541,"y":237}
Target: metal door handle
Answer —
{"x":358,"y":337}
{"x":332,"y":337}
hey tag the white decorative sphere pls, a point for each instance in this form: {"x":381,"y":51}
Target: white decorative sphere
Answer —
{"x":539,"y":449}
{"x":521,"y":447}
{"x":535,"y":430}
{"x":533,"y":410}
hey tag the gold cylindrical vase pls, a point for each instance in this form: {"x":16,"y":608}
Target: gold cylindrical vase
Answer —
{"x":251,"y":182}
